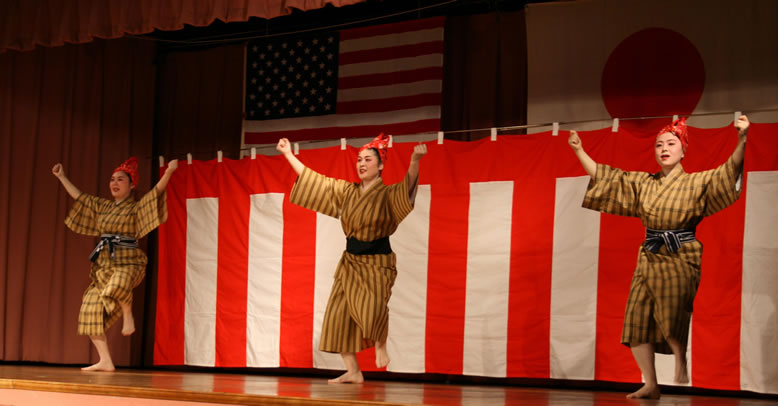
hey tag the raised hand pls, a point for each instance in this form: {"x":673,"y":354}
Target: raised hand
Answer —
{"x":172,"y":165}
{"x":742,"y":125}
{"x":58,"y":171}
{"x":575,"y":141}
{"x":418,"y":152}
{"x":284,"y":146}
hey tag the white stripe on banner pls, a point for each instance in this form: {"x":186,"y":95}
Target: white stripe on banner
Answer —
{"x":263,"y":311}
{"x":488,"y":277}
{"x":202,"y":237}
{"x":330,"y":244}
{"x":408,"y":304}
{"x":573,"y":282}
{"x":759,"y":307}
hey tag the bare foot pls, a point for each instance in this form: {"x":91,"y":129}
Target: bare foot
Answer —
{"x":681,"y":374}
{"x":128,"y":326}
{"x":349,"y":377}
{"x":646,"y":392}
{"x":106,"y":366}
{"x":381,"y":356}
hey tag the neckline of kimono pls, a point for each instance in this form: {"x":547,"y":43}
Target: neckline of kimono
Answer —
{"x":122,"y":201}
{"x":379,"y":181}
{"x":678,"y":169}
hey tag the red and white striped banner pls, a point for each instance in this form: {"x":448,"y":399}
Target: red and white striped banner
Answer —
{"x":500,"y":271}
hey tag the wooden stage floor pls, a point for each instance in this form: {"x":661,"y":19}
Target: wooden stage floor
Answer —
{"x":186,"y":388}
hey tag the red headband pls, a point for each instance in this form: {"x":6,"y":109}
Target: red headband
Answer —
{"x":380,"y":143}
{"x":130,"y":167}
{"x":677,"y":128}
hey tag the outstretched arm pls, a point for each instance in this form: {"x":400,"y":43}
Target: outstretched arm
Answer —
{"x":413,"y":169}
{"x":586,"y":161}
{"x":59,"y":172}
{"x":285,"y":148}
{"x":162,"y":184}
{"x":738,"y":156}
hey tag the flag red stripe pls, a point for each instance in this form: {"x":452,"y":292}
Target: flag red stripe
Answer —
{"x":391,"y":78}
{"x":382,"y":54}
{"x":171,"y":284}
{"x":389,"y":104}
{"x":529,"y":301}
{"x":396,"y":28}
{"x":232,"y":276}
{"x":619,"y":239}
{"x":412,"y":127}
{"x":297,"y":286}
{"x":447,"y":277}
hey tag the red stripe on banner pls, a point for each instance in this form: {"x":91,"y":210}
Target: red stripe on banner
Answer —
{"x":529,"y":302}
{"x":171,"y":277}
{"x":716,"y":318}
{"x":390,"y":78}
{"x":389,"y":104}
{"x":232,"y":278}
{"x":297,"y":286}
{"x":395,"y":28}
{"x":446,"y":278}
{"x":382,"y":54}
{"x":414,"y":127}
{"x":620,"y":238}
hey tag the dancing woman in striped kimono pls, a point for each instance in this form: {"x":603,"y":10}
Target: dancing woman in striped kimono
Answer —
{"x":670,"y":203}
{"x":357,"y":316}
{"x":118,"y":265}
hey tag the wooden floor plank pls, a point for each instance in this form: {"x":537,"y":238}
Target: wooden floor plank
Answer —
{"x":271,"y":390}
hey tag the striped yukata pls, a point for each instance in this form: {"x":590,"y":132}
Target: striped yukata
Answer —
{"x":357,"y":315}
{"x":114,"y":278}
{"x":664,"y":283}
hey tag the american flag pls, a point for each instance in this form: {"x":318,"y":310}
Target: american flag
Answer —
{"x":352,"y":83}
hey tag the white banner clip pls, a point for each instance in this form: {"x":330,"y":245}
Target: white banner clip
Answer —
{"x":555,"y":128}
{"x":218,"y":156}
{"x":390,"y":140}
{"x":737,"y":116}
{"x":189,"y":158}
{"x":297,"y":148}
{"x":253,"y":152}
{"x":675,"y":117}
{"x":440,"y":137}
{"x":615,"y":127}
{"x":342,"y":144}
{"x":493,"y":133}
{"x":161,"y":161}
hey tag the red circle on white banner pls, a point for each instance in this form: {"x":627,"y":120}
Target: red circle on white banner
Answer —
{"x":653,"y":72}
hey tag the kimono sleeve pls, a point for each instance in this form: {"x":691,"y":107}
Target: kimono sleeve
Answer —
{"x":613,"y":191}
{"x":82,"y":217}
{"x":319,"y":193}
{"x":722,"y":187}
{"x":151,"y":212}
{"x":400,"y":199}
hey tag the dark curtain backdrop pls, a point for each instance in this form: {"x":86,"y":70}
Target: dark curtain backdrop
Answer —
{"x":55,"y":22}
{"x":90,"y":106}
{"x":485,"y":74}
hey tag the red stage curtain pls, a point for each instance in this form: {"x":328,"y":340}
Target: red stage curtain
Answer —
{"x":56,"y":22}
{"x":88,"y":106}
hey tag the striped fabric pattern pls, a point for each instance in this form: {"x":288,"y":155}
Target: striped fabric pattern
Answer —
{"x":112,"y":279}
{"x":664,"y":283}
{"x":357,"y":313}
